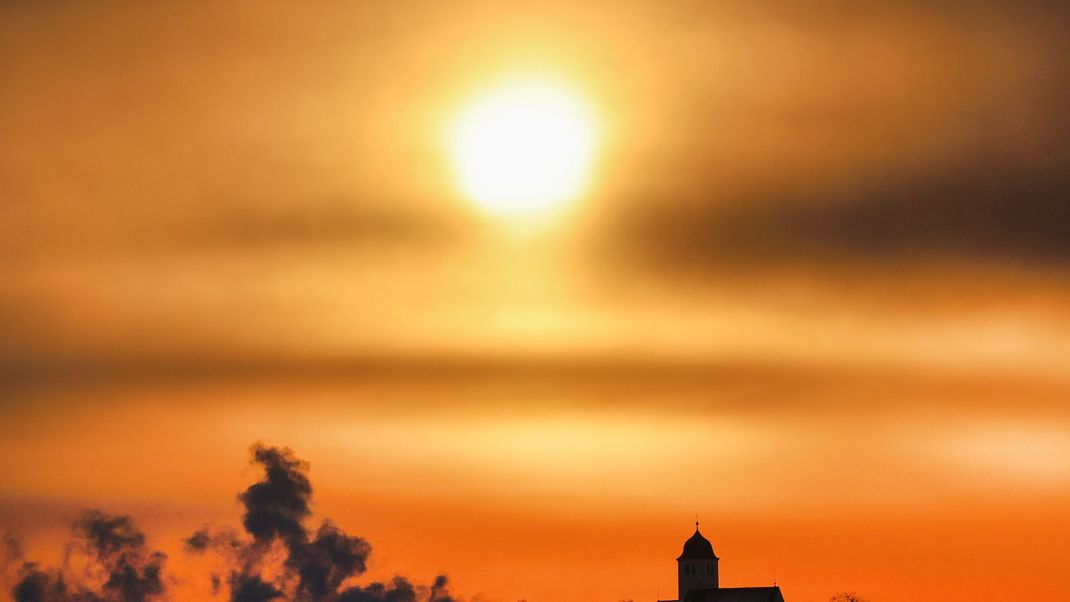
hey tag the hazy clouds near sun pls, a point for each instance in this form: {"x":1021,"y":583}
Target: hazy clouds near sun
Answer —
{"x":272,"y":182}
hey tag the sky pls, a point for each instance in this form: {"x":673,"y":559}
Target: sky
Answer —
{"x":817,"y":290}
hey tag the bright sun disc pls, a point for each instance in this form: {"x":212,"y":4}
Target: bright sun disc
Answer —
{"x":523,"y":148}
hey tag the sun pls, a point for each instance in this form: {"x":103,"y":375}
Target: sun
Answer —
{"x":523,"y":148}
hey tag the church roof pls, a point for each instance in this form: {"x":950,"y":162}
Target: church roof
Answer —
{"x":736,"y":594}
{"x":697,"y":548}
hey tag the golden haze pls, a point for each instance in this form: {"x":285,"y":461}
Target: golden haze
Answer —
{"x":812,"y":286}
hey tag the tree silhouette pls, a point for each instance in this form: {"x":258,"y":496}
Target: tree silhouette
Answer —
{"x":848,"y":597}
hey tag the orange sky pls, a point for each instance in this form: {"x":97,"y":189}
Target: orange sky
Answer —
{"x":816,"y":293}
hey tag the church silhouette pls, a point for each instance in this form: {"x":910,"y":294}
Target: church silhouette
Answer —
{"x":698,"y":577}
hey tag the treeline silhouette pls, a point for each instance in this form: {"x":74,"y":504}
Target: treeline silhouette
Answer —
{"x":277,"y":557}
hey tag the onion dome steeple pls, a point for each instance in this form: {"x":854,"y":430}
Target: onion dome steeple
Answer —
{"x":697,"y":548}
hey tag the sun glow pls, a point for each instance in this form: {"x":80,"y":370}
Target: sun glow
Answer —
{"x":523,"y":148}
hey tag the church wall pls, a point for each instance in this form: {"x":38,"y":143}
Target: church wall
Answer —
{"x":696,"y":574}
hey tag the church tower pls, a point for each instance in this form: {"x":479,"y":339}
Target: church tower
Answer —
{"x":696,"y":566}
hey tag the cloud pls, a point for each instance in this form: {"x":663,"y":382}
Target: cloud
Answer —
{"x":398,"y":590}
{"x":980,"y":211}
{"x":10,"y":550}
{"x":328,"y":560}
{"x":278,"y":505}
{"x":251,"y":588}
{"x":204,"y":539}
{"x":315,"y":566}
{"x":280,"y":558}
{"x":120,"y":566}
